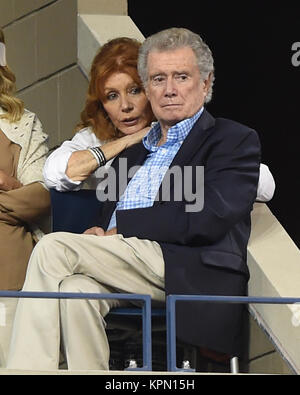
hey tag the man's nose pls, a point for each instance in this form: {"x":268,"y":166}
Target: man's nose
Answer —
{"x":170,"y":88}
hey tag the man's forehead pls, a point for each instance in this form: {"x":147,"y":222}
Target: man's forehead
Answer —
{"x":179,"y":58}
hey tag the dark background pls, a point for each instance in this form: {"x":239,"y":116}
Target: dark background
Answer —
{"x":256,"y":82}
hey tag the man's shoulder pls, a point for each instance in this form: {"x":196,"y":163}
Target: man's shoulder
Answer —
{"x":233,"y":129}
{"x":221,"y":123}
{"x":226,"y":133}
{"x":231,"y":124}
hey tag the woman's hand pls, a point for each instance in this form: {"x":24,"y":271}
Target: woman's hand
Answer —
{"x":8,"y":183}
{"x":81,"y":165}
{"x":136,"y":137}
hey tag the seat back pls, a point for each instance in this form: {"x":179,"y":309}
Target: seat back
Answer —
{"x":74,"y":211}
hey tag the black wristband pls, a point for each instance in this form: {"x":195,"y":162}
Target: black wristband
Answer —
{"x":99,"y":155}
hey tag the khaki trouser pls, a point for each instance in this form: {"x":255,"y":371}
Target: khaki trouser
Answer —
{"x":85,"y":263}
{"x":7,"y":311}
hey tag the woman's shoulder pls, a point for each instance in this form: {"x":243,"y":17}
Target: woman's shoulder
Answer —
{"x":29,"y":113}
{"x":87,"y":136}
{"x":27,"y":119}
{"x":21,"y":130}
{"x":32,"y":125}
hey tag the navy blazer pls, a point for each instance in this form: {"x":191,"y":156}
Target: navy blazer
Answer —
{"x":205,"y":252}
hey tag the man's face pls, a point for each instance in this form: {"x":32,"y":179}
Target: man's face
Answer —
{"x":175,"y":88}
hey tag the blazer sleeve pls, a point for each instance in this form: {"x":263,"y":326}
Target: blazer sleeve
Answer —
{"x":231,"y":172}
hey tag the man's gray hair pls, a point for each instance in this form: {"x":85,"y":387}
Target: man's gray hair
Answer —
{"x":175,"y":38}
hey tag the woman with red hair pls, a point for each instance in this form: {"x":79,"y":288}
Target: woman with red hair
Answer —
{"x":116,"y":115}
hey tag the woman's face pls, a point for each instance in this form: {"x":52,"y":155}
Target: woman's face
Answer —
{"x":126,"y":104}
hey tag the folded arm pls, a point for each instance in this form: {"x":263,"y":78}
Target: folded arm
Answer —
{"x":26,"y":204}
{"x":8,"y":183}
{"x":72,"y":163}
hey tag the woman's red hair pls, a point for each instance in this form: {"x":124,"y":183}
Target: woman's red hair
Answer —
{"x":118,"y":55}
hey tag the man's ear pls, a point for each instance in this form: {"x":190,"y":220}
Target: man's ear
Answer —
{"x":207,"y":83}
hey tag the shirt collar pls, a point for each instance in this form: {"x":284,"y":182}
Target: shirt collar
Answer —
{"x":176,"y":133}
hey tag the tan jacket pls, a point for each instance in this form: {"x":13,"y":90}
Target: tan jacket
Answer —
{"x":22,"y":210}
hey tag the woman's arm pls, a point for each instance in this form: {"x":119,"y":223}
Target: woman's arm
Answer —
{"x":72,"y":163}
{"x":26,"y":204}
{"x":8,"y":183}
{"x":83,"y":163}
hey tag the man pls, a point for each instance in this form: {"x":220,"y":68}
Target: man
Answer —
{"x":155,"y":243}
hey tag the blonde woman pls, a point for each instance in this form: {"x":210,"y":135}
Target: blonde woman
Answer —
{"x":24,"y":201}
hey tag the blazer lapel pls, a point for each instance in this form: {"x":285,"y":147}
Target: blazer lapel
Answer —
{"x":135,"y":155}
{"x":197,"y":136}
{"x":190,"y":147}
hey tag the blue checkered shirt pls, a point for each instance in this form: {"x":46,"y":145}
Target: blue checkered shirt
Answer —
{"x":143,"y":187}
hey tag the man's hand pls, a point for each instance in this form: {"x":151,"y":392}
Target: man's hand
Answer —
{"x":8,"y":183}
{"x":112,"y":231}
{"x":97,"y":231}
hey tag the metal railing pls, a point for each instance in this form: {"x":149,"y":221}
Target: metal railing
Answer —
{"x":146,"y":315}
{"x":145,"y":312}
{"x":171,"y":318}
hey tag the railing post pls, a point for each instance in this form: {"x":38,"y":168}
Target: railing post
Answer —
{"x":147,"y":334}
{"x":171,"y":334}
{"x":234,"y":365}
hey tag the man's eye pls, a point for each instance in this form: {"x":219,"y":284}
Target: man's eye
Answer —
{"x":158,"y":79}
{"x":181,"y":77}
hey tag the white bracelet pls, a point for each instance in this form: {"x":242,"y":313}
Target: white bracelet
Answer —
{"x":99,"y":156}
{"x":95,"y":156}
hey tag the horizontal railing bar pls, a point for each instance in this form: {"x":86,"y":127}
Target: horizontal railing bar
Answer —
{"x":71,"y":295}
{"x":234,"y":299}
{"x":203,"y":298}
